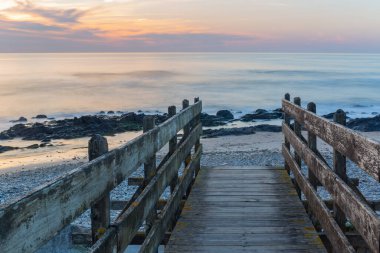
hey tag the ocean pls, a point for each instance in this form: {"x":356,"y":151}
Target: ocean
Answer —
{"x":67,"y":85}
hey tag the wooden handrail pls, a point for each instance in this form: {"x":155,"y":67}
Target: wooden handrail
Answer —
{"x":128,"y":223}
{"x":359,"y":149}
{"x":347,"y":202}
{"x":28,"y":223}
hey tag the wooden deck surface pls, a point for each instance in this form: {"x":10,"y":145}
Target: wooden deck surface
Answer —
{"x":243,"y":209}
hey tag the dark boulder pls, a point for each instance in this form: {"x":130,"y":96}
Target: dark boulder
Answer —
{"x":41,"y":116}
{"x":225,"y":114}
{"x":261,"y":115}
{"x":6,"y":148}
{"x":21,"y":119}
{"x":365,"y":124}
{"x":261,"y":111}
{"x":212,"y":133}
{"x":33,"y":146}
{"x":212,"y":120}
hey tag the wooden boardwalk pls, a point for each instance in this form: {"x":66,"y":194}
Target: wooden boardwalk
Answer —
{"x":243,"y":209}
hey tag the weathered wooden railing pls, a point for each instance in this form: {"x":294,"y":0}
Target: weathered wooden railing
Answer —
{"x":349,"y":205}
{"x":31,"y":221}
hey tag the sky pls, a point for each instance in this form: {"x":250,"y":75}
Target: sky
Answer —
{"x":349,"y":26}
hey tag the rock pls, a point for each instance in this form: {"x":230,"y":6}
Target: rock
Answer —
{"x":260,"y":111}
{"x":365,"y":124}
{"x":41,"y":116}
{"x":212,"y":133}
{"x":102,"y":112}
{"x":278,"y":110}
{"x":261,"y":115}
{"x":225,"y":114}
{"x":21,"y":119}
{"x":212,"y":120}
{"x":6,"y":148}
{"x":329,"y":115}
{"x":78,"y":127}
{"x":33,"y":146}
{"x":110,"y":112}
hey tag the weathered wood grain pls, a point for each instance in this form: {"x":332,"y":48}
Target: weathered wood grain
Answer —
{"x":359,"y":149}
{"x":29,"y":222}
{"x":256,"y":219}
{"x":129,"y":221}
{"x":100,"y":211}
{"x":339,"y":165}
{"x":157,"y":233}
{"x":360,"y":214}
{"x":172,"y":110}
{"x":287,"y":121}
{"x":150,"y":166}
{"x":332,"y":229}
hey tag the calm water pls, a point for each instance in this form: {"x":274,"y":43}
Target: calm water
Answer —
{"x":62,"y":85}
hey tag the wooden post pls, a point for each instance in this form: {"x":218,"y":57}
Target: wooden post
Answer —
{"x":287,"y":122}
{"x":186,"y":130}
{"x":100,"y":211}
{"x":149,"y":168}
{"x":340,"y":169}
{"x":197,"y":121}
{"x":172,"y":110}
{"x":312,"y":143}
{"x":297,"y":131}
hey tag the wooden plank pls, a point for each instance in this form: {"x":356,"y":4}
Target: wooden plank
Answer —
{"x":250,"y":221}
{"x":357,"y":211}
{"x":358,"y":148}
{"x":31,"y":221}
{"x":129,"y":222}
{"x":322,"y":213}
{"x":157,"y":233}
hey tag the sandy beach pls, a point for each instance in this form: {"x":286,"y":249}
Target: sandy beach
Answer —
{"x":21,"y":172}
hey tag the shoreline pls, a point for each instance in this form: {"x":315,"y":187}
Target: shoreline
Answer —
{"x":44,"y":132}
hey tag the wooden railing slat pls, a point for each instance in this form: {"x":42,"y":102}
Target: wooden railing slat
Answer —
{"x":129,"y":222}
{"x":157,"y":233}
{"x":337,"y":238}
{"x":360,"y":214}
{"x":28,"y":223}
{"x":361,"y":150}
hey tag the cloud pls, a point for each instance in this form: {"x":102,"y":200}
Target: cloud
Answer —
{"x":55,"y":15}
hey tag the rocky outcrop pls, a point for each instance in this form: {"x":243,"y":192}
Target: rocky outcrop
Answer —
{"x":19,"y":120}
{"x":261,"y":114}
{"x":6,"y":148}
{"x":365,"y":124}
{"x":77,"y":127}
{"x":225,"y":114}
{"x":212,"y":133}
